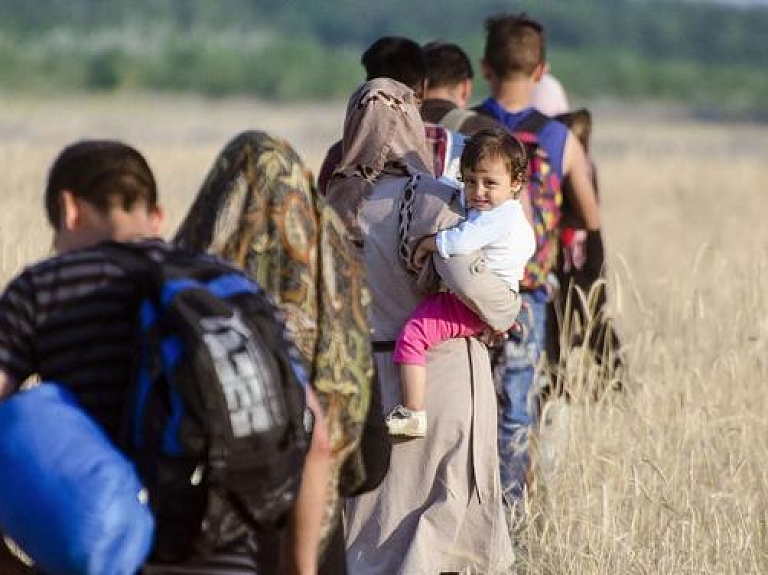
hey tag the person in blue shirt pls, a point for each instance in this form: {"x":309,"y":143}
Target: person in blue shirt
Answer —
{"x":513,"y":64}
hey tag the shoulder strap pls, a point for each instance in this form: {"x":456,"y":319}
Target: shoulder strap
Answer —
{"x":483,"y":111}
{"x":128,"y":257}
{"x":140,"y":268}
{"x":533,"y":123}
{"x":455,"y":118}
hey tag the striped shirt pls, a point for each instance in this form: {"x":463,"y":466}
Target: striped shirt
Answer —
{"x":71,"y":319}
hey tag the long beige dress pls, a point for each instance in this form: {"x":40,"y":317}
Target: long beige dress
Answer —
{"x":440,"y":507}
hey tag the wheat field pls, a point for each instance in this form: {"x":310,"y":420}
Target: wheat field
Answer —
{"x":667,"y":476}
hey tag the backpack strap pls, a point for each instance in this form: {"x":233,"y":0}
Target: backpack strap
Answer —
{"x":483,"y":111}
{"x":130,"y":258}
{"x":455,"y":118}
{"x":533,"y":123}
{"x":141,"y":269}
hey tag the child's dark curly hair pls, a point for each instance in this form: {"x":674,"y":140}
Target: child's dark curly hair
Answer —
{"x":496,"y":144}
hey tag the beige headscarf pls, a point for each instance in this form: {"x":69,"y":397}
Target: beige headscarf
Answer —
{"x":383,"y":135}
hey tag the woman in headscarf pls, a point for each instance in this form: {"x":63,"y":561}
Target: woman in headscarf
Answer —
{"x":258,"y":208}
{"x":439,"y":509}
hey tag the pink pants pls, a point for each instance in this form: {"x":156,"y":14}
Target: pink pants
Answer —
{"x":437,"y":318}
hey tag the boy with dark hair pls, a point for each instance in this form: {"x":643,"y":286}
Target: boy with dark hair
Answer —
{"x":448,"y":90}
{"x":398,"y":58}
{"x":101,"y":172}
{"x":447,"y":65}
{"x":109,"y":182}
{"x":71,"y":318}
{"x":513,"y":63}
{"x":97,"y":191}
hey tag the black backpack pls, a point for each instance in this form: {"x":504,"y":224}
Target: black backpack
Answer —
{"x":217,"y":422}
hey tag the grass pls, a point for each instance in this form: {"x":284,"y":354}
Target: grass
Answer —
{"x":669,"y":475}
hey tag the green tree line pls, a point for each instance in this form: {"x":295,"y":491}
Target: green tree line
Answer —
{"x":706,"y":54}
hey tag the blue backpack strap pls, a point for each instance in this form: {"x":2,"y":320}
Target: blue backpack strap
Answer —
{"x":146,"y":276}
{"x":533,"y":123}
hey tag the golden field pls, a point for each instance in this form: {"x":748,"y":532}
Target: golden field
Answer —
{"x":669,"y":476}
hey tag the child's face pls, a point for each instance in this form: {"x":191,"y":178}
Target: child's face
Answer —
{"x":489,"y":184}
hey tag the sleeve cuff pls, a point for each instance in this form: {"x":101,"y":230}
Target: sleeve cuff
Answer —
{"x":440,"y":245}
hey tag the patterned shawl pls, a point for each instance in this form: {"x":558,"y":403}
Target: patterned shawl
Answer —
{"x":258,"y":208}
{"x":383,"y":134}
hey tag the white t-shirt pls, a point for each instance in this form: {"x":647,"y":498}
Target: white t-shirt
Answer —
{"x":504,"y":235}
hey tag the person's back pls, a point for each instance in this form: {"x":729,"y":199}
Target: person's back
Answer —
{"x":513,"y":63}
{"x":72,"y":319}
{"x":603,"y":339}
{"x":447,"y":504}
{"x":68,"y":318}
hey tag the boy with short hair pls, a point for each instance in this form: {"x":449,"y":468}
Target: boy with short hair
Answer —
{"x":398,"y":58}
{"x":449,"y":86}
{"x":67,"y":318}
{"x":71,"y":318}
{"x":513,"y":63}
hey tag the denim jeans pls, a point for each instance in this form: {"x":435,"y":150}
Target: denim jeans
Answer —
{"x":519,"y":396}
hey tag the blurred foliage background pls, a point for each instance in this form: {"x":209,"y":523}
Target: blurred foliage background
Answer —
{"x":708,"y":56}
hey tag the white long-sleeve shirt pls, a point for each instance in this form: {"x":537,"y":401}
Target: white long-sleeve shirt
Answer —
{"x":503,"y":234}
